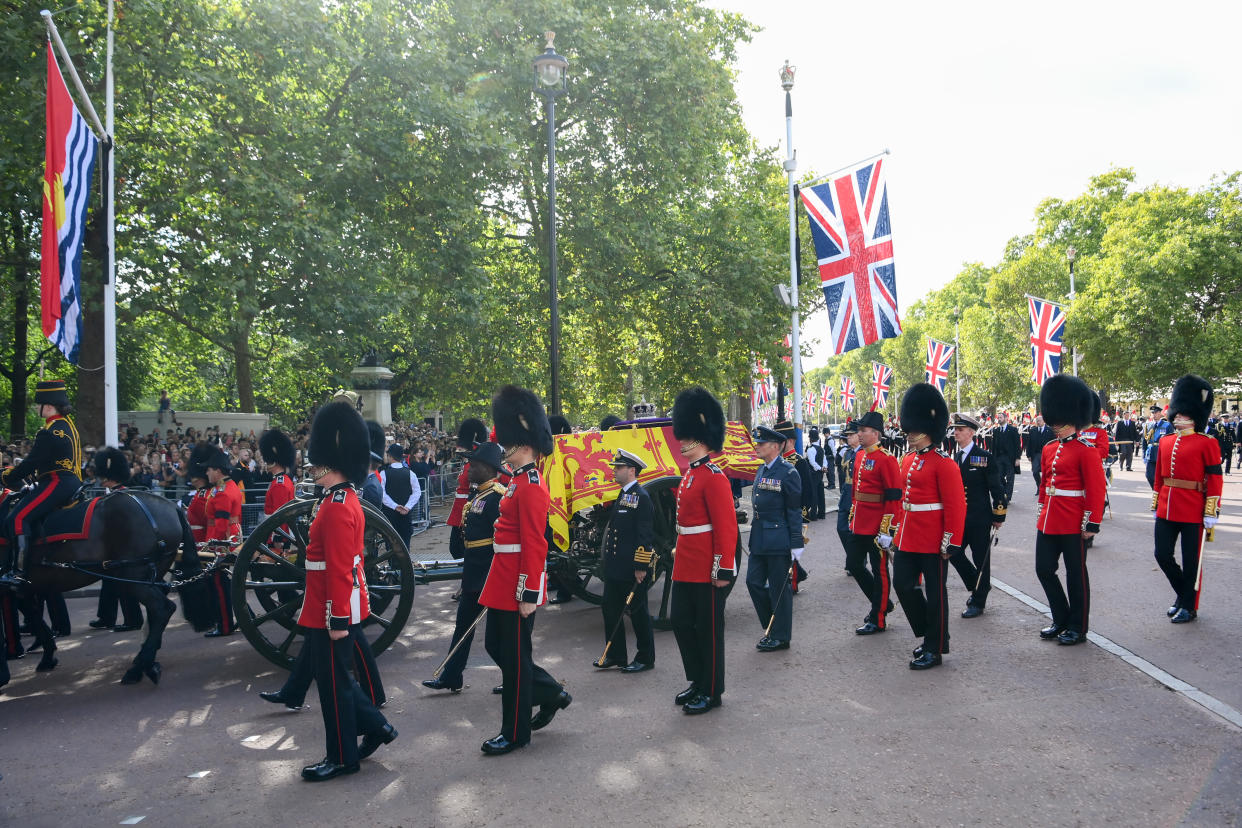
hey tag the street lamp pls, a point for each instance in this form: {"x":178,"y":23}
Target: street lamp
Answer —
{"x":550,"y":81}
{"x":1071,"y":253}
{"x":791,"y":166}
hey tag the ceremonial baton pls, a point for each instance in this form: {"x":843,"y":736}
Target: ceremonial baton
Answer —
{"x":621,"y":617}
{"x":777,"y":605}
{"x":464,"y":638}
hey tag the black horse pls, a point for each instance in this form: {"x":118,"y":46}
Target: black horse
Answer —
{"x":130,"y":536}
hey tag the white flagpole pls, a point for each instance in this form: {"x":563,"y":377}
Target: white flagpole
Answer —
{"x":110,"y":436}
{"x":66,"y":63}
{"x":791,"y":165}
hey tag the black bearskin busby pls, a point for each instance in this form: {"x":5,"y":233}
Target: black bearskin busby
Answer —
{"x":559,"y":425}
{"x":697,"y":415}
{"x":470,"y":434}
{"x":1097,"y":408}
{"x":924,"y":411}
{"x":520,"y":420}
{"x":378,"y":440}
{"x":110,"y":464}
{"x":608,"y":422}
{"x":339,"y":440}
{"x":276,"y":447}
{"x":1066,"y":400}
{"x":199,"y":455}
{"x":1192,"y":396}
{"x":219,"y":459}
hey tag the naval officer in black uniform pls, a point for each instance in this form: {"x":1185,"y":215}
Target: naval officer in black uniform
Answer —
{"x":628,"y":545}
{"x":775,"y":538}
{"x":985,"y":511}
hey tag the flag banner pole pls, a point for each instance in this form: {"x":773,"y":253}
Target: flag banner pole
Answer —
{"x":111,"y":425}
{"x":1037,"y":299}
{"x":858,"y":163}
{"x":65,"y":62}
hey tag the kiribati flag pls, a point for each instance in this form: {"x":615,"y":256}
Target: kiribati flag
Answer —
{"x":70,"y":164}
{"x":854,"y":244}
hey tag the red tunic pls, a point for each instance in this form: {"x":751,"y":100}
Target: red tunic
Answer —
{"x":224,"y":505}
{"x":336,"y":581}
{"x":705,"y":499}
{"x":1071,"y":465}
{"x":876,"y":474}
{"x":931,"y":479}
{"x":460,"y":496}
{"x":279,"y":493}
{"x":196,"y":515}
{"x":1096,"y":436}
{"x":1195,"y":459}
{"x":520,"y":544}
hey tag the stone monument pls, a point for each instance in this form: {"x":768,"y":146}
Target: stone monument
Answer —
{"x":370,"y":380}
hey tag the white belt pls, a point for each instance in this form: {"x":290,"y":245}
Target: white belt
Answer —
{"x":694,"y":530}
{"x":922,"y":507}
{"x":315,"y":566}
{"x":1055,"y":492}
{"x":462,"y":495}
{"x":507,"y":547}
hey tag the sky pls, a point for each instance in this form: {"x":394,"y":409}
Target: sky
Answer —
{"x":989,"y":108}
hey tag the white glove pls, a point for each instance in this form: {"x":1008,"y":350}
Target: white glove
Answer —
{"x":1209,"y":522}
{"x":797,"y":553}
{"x":884,"y":540}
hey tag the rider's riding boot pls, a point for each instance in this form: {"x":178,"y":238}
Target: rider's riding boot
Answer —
{"x":16,"y":576}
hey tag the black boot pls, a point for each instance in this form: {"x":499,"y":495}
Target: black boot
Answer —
{"x":16,"y":576}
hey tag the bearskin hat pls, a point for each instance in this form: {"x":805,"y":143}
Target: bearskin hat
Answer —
{"x":1096,"y":407}
{"x":339,"y":440}
{"x":559,"y":425}
{"x":378,"y":440}
{"x":199,"y":455}
{"x":276,"y":447}
{"x":1066,"y":400}
{"x":520,"y":420}
{"x":1192,"y":396}
{"x":470,"y":433}
{"x":924,"y":411}
{"x":697,"y":415}
{"x":608,"y":422}
{"x":110,"y":464}
{"x":219,"y":459}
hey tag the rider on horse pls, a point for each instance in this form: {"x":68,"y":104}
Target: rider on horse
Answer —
{"x":55,"y":461}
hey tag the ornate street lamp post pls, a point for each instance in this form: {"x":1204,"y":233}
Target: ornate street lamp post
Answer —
{"x":550,"y":81}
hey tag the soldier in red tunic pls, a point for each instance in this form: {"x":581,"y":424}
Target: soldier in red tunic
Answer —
{"x":929,"y":523}
{"x":470,"y":435}
{"x":704,"y":561}
{"x":277,"y":451}
{"x":517,"y":582}
{"x":1071,"y":506}
{"x":876,"y":492}
{"x":224,"y":503}
{"x":335,"y":602}
{"x":1187,"y":493}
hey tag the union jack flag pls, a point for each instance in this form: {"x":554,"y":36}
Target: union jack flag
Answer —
{"x":939,"y":355}
{"x":812,"y":401}
{"x":854,"y":245}
{"x":847,"y":394}
{"x":881,"y":383}
{"x":1047,"y":330}
{"x":825,"y":398}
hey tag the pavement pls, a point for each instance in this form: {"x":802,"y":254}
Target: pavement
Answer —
{"x":835,"y":731}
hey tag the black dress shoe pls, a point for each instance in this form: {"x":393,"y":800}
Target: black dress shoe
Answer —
{"x":560,"y":599}
{"x":1071,"y":637}
{"x":498,"y":689}
{"x":371,"y":743}
{"x":925,"y":661}
{"x":763,"y":642}
{"x":772,"y":646}
{"x":499,"y":746}
{"x":637,"y":667}
{"x":439,"y":684}
{"x":918,"y":651}
{"x":278,"y":697}
{"x":869,"y":629}
{"x":100,"y":624}
{"x":1050,"y":632}
{"x":1172,"y":611}
{"x":326,"y":770}
{"x":972,"y":611}
{"x":543,"y":717}
{"x":218,"y":632}
{"x":686,"y":695}
{"x":701,"y":704}
{"x":126,"y":627}
{"x":1184,"y":616}
{"x":604,"y":665}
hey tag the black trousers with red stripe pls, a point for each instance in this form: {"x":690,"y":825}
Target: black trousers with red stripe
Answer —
{"x":10,"y":639}
{"x":347,"y":712}
{"x":221,"y":588}
{"x":926,"y":609}
{"x":1069,"y":611}
{"x":697,"y":616}
{"x":874,"y":582}
{"x":525,"y":684}
{"x":1181,"y":578}
{"x":365,"y":671}
{"x":49,"y":494}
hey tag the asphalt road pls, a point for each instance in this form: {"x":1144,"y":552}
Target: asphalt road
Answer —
{"x":836,"y":731}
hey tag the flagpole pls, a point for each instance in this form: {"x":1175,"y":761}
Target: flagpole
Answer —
{"x":791,"y":166}
{"x":957,"y":363}
{"x":66,"y":63}
{"x":857,"y":163}
{"x":110,"y":435}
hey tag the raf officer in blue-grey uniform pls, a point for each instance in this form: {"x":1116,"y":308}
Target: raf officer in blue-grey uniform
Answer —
{"x":775,"y":539}
{"x":628,"y":546}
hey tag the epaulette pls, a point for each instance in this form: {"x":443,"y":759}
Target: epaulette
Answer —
{"x":1086,"y":439}
{"x":339,"y":495}
{"x":532,"y":476}
{"x":715,"y":469}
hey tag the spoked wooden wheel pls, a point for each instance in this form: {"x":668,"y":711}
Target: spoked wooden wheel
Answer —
{"x":270,"y":575}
